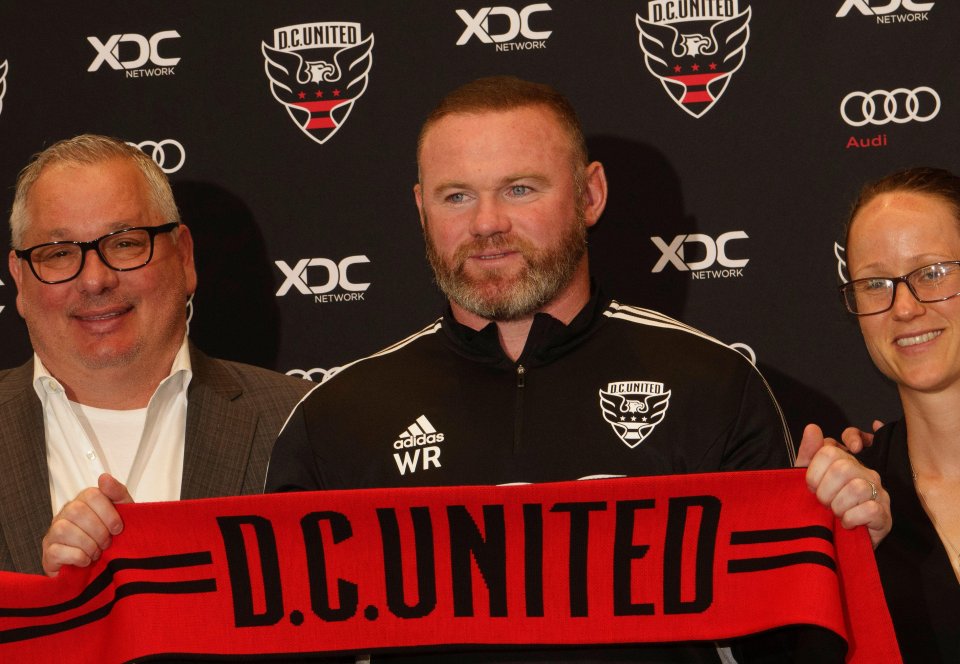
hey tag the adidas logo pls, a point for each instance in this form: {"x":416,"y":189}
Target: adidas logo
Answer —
{"x":418,"y":434}
{"x":423,"y":437}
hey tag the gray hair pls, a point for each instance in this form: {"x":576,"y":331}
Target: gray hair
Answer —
{"x":89,"y":149}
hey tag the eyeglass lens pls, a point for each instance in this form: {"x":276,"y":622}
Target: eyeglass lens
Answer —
{"x":930,"y":283}
{"x":120,"y":251}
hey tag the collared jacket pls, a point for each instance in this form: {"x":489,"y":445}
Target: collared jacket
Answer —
{"x":234,"y":412}
{"x":620,"y":391}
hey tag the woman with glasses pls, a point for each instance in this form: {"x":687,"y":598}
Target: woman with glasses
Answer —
{"x":903,"y":256}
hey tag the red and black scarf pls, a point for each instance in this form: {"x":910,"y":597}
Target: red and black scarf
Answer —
{"x":679,"y":558}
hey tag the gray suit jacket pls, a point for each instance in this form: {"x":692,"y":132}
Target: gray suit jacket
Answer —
{"x":234,"y":413}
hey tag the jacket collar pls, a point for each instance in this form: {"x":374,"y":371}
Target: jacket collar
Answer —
{"x":548,"y":338}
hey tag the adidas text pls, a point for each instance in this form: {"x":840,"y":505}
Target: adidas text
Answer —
{"x":417,"y":441}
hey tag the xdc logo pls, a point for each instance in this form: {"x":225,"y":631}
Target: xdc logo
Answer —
{"x":336,"y":275}
{"x":890,"y":6}
{"x":513,"y":24}
{"x":714,"y":252}
{"x":137,"y":52}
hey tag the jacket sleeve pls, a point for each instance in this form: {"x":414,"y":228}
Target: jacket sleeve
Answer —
{"x":759,"y":437}
{"x":293,"y":465}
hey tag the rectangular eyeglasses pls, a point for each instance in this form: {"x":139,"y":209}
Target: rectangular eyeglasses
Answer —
{"x":122,"y":250}
{"x":930,"y":283}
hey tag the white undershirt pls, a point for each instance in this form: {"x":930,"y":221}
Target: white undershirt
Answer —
{"x":115,"y":434}
{"x":83,"y":442}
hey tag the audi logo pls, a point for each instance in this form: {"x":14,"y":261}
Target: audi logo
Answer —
{"x":164,"y":152}
{"x":315,"y":373}
{"x":880,"y":107}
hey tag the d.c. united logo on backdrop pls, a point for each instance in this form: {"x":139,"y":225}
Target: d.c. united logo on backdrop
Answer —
{"x":694,"y":48}
{"x":318,"y":71}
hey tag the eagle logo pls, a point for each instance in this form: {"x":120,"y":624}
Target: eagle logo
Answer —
{"x":695,"y":58}
{"x":319,"y":85}
{"x":634,"y":409}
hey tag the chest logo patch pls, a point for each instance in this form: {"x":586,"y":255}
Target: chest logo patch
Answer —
{"x":418,"y":447}
{"x":634,"y":408}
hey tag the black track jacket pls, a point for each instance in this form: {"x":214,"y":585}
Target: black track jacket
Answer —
{"x":620,"y":391}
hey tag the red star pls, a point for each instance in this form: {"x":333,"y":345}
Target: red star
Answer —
{"x":713,"y":65}
{"x":301,"y":94}
{"x":318,"y":94}
{"x":695,"y":67}
{"x":677,"y":68}
{"x":336,"y":93}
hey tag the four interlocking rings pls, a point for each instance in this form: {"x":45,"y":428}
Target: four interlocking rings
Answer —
{"x":868,"y":108}
{"x":158,"y":152}
{"x":313,"y":374}
{"x":890,"y":109}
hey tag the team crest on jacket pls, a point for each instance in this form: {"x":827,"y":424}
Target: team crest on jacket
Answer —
{"x":634,"y":408}
{"x":318,"y":71}
{"x":694,"y":48}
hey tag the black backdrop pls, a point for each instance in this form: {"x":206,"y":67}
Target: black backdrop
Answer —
{"x":747,"y":195}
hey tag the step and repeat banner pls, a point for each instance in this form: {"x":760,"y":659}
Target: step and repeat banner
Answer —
{"x":735,"y":134}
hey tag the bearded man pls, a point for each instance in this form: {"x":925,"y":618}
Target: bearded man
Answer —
{"x":532,"y":374}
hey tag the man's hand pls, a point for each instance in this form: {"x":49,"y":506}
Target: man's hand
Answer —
{"x":856,"y":440}
{"x":852,"y":491}
{"x":84,"y":528}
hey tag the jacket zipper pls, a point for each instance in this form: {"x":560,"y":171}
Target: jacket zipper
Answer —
{"x":518,"y":411}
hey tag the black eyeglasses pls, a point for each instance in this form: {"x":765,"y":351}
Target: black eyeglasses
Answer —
{"x":930,"y":283}
{"x":123,"y":250}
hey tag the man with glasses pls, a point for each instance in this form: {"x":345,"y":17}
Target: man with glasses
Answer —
{"x":116,"y":405}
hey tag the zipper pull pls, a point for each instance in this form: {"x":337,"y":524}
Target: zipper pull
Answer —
{"x":521,"y":372}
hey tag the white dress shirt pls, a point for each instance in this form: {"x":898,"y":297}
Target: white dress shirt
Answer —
{"x":84,"y":442}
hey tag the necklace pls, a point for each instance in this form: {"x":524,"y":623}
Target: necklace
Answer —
{"x":955,"y":556}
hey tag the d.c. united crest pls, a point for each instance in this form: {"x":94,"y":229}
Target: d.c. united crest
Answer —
{"x":694,"y":48}
{"x":318,"y":71}
{"x":634,"y":408}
